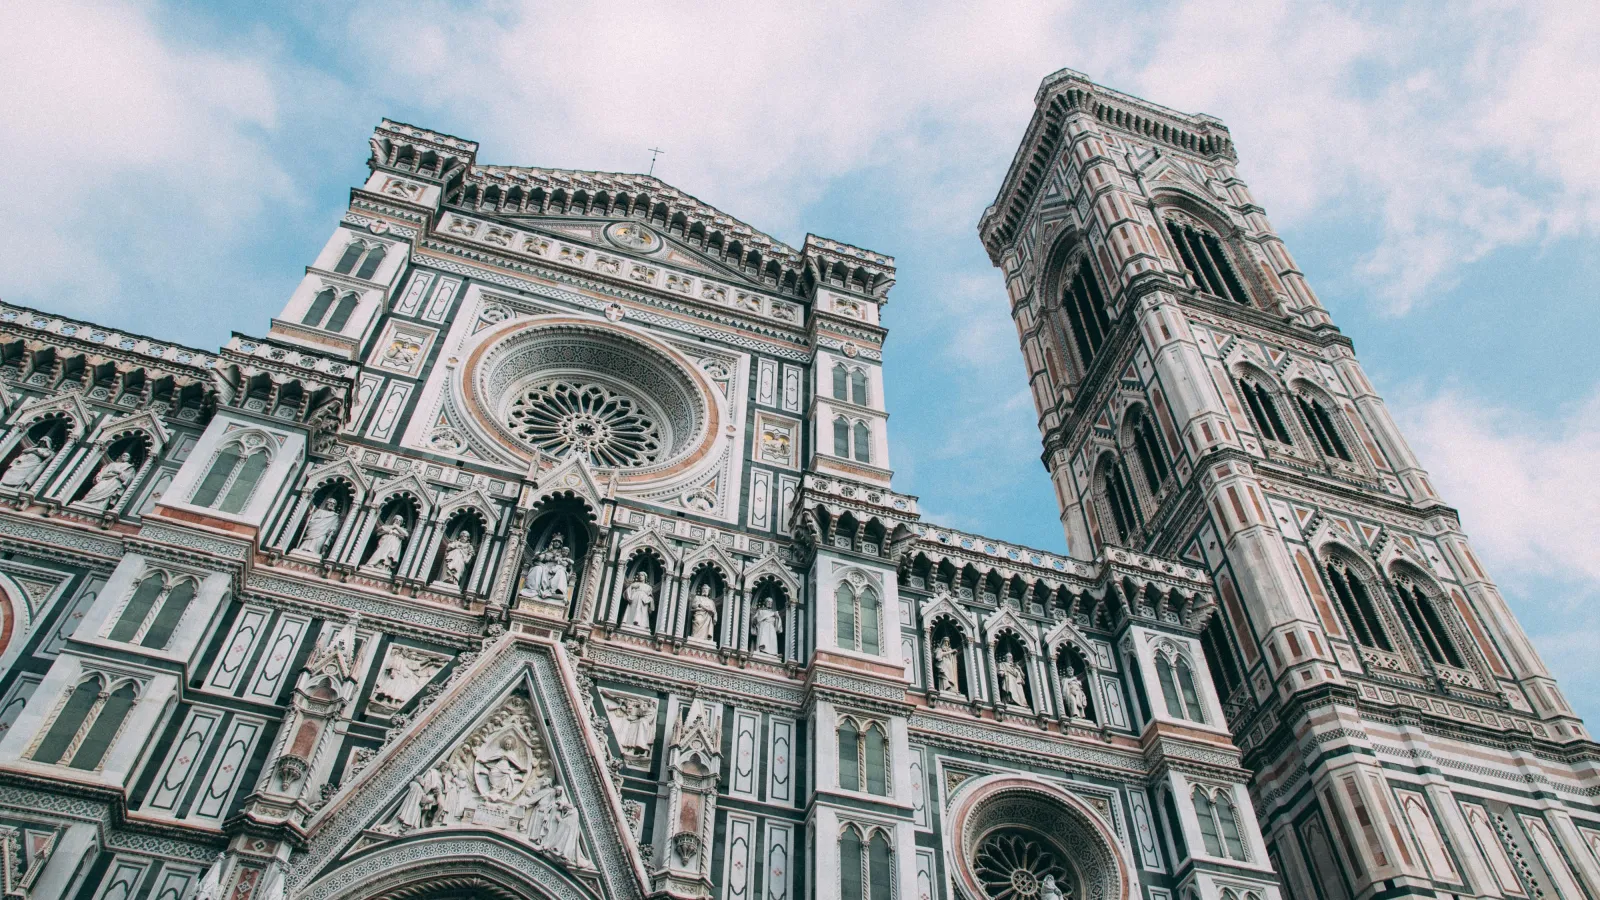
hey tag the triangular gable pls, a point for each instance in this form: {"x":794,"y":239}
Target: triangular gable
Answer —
{"x":770,"y":565}
{"x":1004,"y":618}
{"x":144,"y":420}
{"x":477,"y":776}
{"x":571,"y":477}
{"x":943,"y":604}
{"x":473,"y":499}
{"x":715,"y":554}
{"x":70,"y":405}
{"x":407,"y":483}
{"x":339,"y":468}
{"x":1065,"y":632}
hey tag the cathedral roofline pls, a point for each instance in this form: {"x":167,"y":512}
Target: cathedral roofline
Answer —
{"x":1064,"y":92}
{"x":453,"y":162}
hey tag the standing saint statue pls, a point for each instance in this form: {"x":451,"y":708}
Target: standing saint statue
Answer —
{"x":946,"y":658}
{"x":27,"y":466}
{"x":109,"y":483}
{"x":321,"y":526}
{"x":457,"y":556}
{"x":641,"y":597}
{"x":1012,"y":680}
{"x":766,"y":624}
{"x":1072,"y":691}
{"x":391,"y":543}
{"x":702,"y":615}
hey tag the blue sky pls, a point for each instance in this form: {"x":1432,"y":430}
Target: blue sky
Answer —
{"x":1433,"y":166}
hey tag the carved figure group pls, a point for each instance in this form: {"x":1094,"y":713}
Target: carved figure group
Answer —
{"x":633,"y":721}
{"x":109,"y":483}
{"x":550,"y":575}
{"x":28,"y":464}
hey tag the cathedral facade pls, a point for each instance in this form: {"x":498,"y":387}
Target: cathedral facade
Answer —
{"x":545,"y":545}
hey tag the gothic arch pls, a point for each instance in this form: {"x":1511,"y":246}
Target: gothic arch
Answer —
{"x":448,"y":867}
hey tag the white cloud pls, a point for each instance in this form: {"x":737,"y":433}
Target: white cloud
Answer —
{"x":132,"y":158}
{"x":1526,"y":488}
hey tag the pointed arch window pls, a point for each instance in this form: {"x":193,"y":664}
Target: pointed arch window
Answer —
{"x":863,"y":757}
{"x":231,"y":480}
{"x":88,"y":722}
{"x":841,"y":379}
{"x":1205,"y":813}
{"x":841,"y":437}
{"x":1430,"y":627}
{"x":1152,"y":461}
{"x":341,"y":313}
{"x":1356,"y":602}
{"x":1219,"y":824}
{"x":1178,"y":689}
{"x":360,"y":259}
{"x":318,"y":310}
{"x":153,"y":595}
{"x":857,"y":617}
{"x":1264,"y":411}
{"x":369,"y":265}
{"x":849,"y":756}
{"x":866,"y":867}
{"x":1084,"y":305}
{"x":863,"y":442}
{"x":1119,"y":496}
{"x":858,"y":387}
{"x":1203,"y":256}
{"x":1216,"y":644}
{"x":1322,"y":427}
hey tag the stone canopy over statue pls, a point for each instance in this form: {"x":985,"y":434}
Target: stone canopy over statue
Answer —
{"x":550,"y":577}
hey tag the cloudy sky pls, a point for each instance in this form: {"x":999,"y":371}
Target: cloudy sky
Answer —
{"x":1432,"y":165}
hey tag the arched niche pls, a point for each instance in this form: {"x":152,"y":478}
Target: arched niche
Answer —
{"x":1008,"y":832}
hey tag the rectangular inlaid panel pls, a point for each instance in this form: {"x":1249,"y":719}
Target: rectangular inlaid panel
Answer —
{"x":443,"y":297}
{"x":122,"y":879}
{"x":760,"y":509}
{"x":240,"y":647}
{"x":791,"y":388}
{"x":1144,"y":831}
{"x":780,"y":760}
{"x":233,"y":753}
{"x":278,"y":657}
{"x":411,"y":300}
{"x":387,"y":415}
{"x":366,"y":392}
{"x":182,"y":760}
{"x":766,"y":382}
{"x":777,"y":872}
{"x":746,"y":754}
{"x":788,"y":486}
{"x":738,"y":858}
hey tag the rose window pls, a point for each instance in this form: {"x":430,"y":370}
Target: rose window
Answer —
{"x":1014,"y":865}
{"x":567,"y":416}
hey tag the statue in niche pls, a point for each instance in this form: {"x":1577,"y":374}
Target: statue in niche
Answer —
{"x":28,"y":464}
{"x":946,"y":662}
{"x":641,"y":597}
{"x":1074,"y":694}
{"x":551,"y":573}
{"x":321,"y":526}
{"x":391,"y":543}
{"x":633,"y":721}
{"x":766,"y":623}
{"x":1013,"y":680}
{"x":702,"y":615}
{"x":109,"y":483}
{"x":458,"y":556}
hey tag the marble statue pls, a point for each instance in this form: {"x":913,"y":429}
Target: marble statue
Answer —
{"x":703,"y":615}
{"x":946,"y":662}
{"x":633,"y":721}
{"x":1074,"y":694}
{"x":1048,"y":889}
{"x":458,"y":555}
{"x":766,"y":624}
{"x":321,"y":526}
{"x":391,"y":543}
{"x":1012,"y":680}
{"x":551,"y":573}
{"x":641,"y":597}
{"x":109,"y":483}
{"x":27,"y":466}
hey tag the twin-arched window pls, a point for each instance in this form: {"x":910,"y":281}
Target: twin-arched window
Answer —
{"x":863,"y":757}
{"x":850,"y":384}
{"x":317,"y":312}
{"x":852,"y":436}
{"x":154,"y":611}
{"x":1123,"y":501}
{"x":1219,"y":823}
{"x":858,"y":618}
{"x":1207,"y":263}
{"x":360,"y":259}
{"x":87,"y":723}
{"x":1178,"y":689}
{"x":866,"y":865}
{"x":232,"y":478}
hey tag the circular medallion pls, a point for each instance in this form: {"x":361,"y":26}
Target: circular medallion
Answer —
{"x":850,"y":349}
{"x":633,"y":236}
{"x":377,"y":226}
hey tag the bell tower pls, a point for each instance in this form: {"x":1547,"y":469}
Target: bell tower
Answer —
{"x":1196,"y":402}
